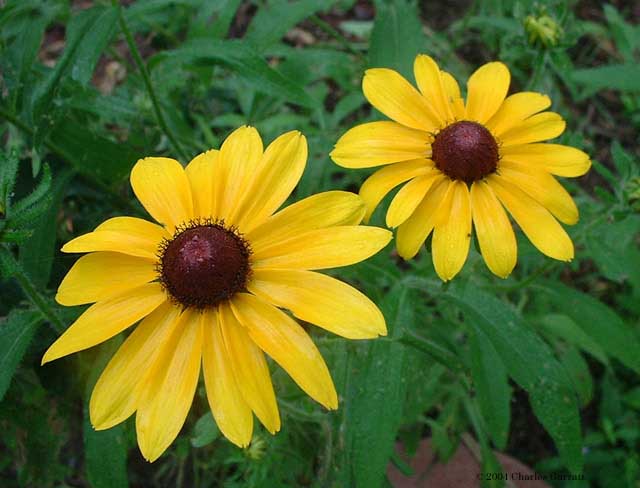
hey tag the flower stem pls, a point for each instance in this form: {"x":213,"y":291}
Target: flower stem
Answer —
{"x":15,"y":269}
{"x":147,"y":81}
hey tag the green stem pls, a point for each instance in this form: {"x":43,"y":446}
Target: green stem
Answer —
{"x":436,"y":351}
{"x":29,"y":289}
{"x":326,"y":27}
{"x":147,"y":81}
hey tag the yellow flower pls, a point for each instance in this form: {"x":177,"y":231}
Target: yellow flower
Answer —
{"x":463,"y":163}
{"x":207,"y":285}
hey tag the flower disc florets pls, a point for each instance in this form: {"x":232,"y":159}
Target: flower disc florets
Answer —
{"x":203,"y":264}
{"x":465,"y":151}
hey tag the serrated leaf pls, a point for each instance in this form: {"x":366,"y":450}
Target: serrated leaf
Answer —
{"x":40,"y":191}
{"x":242,"y":59}
{"x":397,"y":37}
{"x":374,"y":400}
{"x":598,"y":321}
{"x":531,"y":364}
{"x":16,"y":332}
{"x":492,"y":388}
{"x":205,"y":431}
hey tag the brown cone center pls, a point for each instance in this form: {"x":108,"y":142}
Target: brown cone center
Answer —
{"x":465,"y":151}
{"x":204,"y":265}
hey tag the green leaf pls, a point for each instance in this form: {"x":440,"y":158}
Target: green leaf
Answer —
{"x":531,"y":364}
{"x":39,"y":193}
{"x":610,"y":77}
{"x":93,"y":43}
{"x":274,"y":19}
{"x":598,"y":321}
{"x":563,"y":327}
{"x":492,"y":388}
{"x":205,"y":431}
{"x":397,"y":36}
{"x":578,"y":370}
{"x":16,"y":332}
{"x":8,"y":173}
{"x":105,"y":456}
{"x":242,"y":59}
{"x":375,"y":398}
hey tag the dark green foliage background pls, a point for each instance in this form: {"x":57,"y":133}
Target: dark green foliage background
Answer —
{"x":543,"y":366}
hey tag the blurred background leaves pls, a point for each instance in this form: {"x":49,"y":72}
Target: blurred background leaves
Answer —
{"x":542,"y":366}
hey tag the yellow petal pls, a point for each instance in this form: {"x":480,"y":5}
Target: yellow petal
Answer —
{"x":542,"y":187}
{"x":451,"y":239}
{"x":289,"y":346}
{"x":453,"y":94}
{"x":169,"y":388}
{"x":409,"y":197}
{"x":240,"y":154}
{"x":200,"y":172}
{"x":495,"y":234}
{"x":536,"y":222}
{"x":539,"y":127}
{"x":321,"y":300}
{"x":395,"y":97}
{"x":163,"y":189}
{"x":380,"y":143}
{"x":103,"y":320}
{"x":127,"y":235}
{"x":231,"y":412}
{"x":515,"y":109}
{"x":273,"y":181}
{"x":555,"y":158}
{"x":318,"y":211}
{"x":115,"y":396}
{"x":323,"y":248}
{"x":415,"y":230}
{"x":432,"y":86}
{"x":486,"y":90}
{"x":376,"y":187}
{"x":250,"y":370}
{"x":102,"y":275}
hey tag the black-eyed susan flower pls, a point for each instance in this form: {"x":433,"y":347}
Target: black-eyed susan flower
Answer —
{"x":209,"y":284}
{"x":463,"y":163}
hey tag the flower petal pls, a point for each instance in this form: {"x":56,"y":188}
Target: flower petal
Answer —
{"x":539,"y":127}
{"x":231,"y":412}
{"x":101,"y":275}
{"x":515,"y":109}
{"x":430,"y":83}
{"x":273,"y":181}
{"x":169,"y":388}
{"x":555,"y":158}
{"x":395,"y":97}
{"x":250,"y":370}
{"x":115,"y":396}
{"x":415,"y":230}
{"x":536,"y":222}
{"x":321,"y":300}
{"x":452,"y":90}
{"x":240,"y":155}
{"x":318,"y":211}
{"x":409,"y":197}
{"x":376,"y":187}
{"x":103,"y":320}
{"x":544,"y":188}
{"x":201,"y":172}
{"x":380,"y":143}
{"x":289,"y":346}
{"x":163,"y":189}
{"x":495,"y":233}
{"x":323,"y":248}
{"x":486,"y":90}
{"x":128,"y":235}
{"x":451,"y":238}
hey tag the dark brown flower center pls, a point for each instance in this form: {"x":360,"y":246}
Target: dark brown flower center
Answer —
{"x":465,"y":151}
{"x":204,"y":265}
